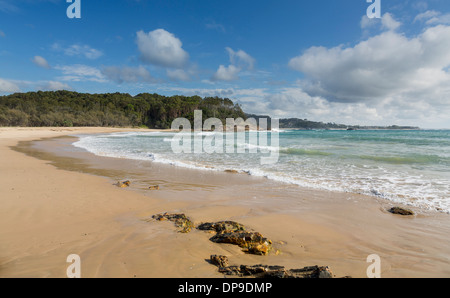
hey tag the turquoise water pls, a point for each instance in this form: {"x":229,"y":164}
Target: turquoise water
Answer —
{"x":410,"y":167}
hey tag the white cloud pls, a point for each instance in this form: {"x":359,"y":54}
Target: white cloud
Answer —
{"x":239,"y":60}
{"x":367,"y":22}
{"x":386,"y":64}
{"x":432,"y":17}
{"x":83,"y":50}
{"x":404,"y":77}
{"x":389,"y":23}
{"x":162,"y":48}
{"x":127,"y":74}
{"x":229,"y":73}
{"x":427,"y":15}
{"x":8,"y":86}
{"x":79,"y":72}
{"x":41,"y":62}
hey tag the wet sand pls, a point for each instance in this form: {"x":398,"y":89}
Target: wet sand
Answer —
{"x":59,"y":200}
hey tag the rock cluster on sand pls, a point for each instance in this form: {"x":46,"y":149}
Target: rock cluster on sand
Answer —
{"x":251,"y":242}
{"x":235,"y":233}
{"x":266,"y":271}
{"x":181,"y":221}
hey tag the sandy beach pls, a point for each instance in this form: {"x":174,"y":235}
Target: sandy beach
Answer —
{"x":65,"y":203}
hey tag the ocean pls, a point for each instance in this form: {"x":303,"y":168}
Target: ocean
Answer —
{"x":410,"y":167}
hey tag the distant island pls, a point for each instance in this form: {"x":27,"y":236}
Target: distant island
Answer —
{"x":306,"y":124}
{"x":68,"y":108}
{"x":295,"y":123}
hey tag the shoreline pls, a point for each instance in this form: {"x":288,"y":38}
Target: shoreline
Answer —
{"x":315,"y":227}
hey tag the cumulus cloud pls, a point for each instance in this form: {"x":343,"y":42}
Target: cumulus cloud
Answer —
{"x":385,"y":65}
{"x":387,"y":76}
{"x":239,"y":60}
{"x":41,"y":62}
{"x":229,"y":73}
{"x":388,"y":22}
{"x":161,"y":48}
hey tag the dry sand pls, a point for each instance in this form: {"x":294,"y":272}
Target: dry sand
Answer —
{"x":48,"y":213}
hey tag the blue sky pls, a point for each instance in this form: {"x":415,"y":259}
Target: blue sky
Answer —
{"x":323,"y":60}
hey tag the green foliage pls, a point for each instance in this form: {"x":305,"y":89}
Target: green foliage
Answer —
{"x":66,"y":108}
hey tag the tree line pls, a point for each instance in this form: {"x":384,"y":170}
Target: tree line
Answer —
{"x":67,"y":109}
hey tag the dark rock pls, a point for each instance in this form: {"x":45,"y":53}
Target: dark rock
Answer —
{"x":219,"y":261}
{"x":180,"y":220}
{"x":221,"y":226}
{"x":401,"y":211}
{"x":251,"y":242}
{"x":235,"y":233}
{"x":266,"y":271}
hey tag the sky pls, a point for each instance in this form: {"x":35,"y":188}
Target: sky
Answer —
{"x":322,"y":60}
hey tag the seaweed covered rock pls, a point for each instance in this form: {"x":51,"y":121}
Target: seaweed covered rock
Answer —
{"x":181,"y":221}
{"x":123,"y":184}
{"x":222,"y":226}
{"x":251,"y":242}
{"x":235,"y":233}
{"x":401,"y":211}
{"x":219,"y":261}
{"x":266,"y":271}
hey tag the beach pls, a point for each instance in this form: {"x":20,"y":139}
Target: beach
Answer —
{"x":57,"y":201}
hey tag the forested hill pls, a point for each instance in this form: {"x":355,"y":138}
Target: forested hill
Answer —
{"x":65,"y":108}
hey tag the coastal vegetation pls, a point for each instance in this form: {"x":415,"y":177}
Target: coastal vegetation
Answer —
{"x":67,"y":109}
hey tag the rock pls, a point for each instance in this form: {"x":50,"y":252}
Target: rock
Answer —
{"x":251,"y":242}
{"x":219,"y":261}
{"x":180,"y":220}
{"x":155,"y":187}
{"x":401,"y":211}
{"x":266,"y":271}
{"x":232,"y":171}
{"x":312,"y":272}
{"x":123,"y":184}
{"x":235,"y":233}
{"x":222,"y":226}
